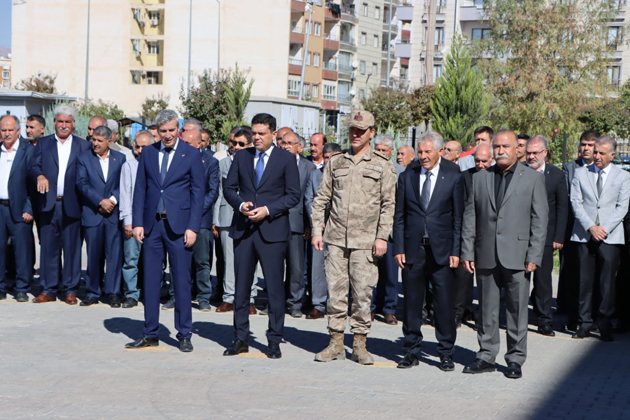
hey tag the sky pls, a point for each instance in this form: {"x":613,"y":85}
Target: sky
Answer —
{"x":5,"y":23}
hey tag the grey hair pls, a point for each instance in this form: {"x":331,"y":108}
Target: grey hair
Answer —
{"x":301,"y":141}
{"x":486,"y":144}
{"x":195,"y":121}
{"x":103,"y":131}
{"x":16,"y":119}
{"x":608,"y":140}
{"x":541,"y":138}
{"x":113,"y":125}
{"x":145,"y":132}
{"x":63,"y":110}
{"x":385,"y":139}
{"x":331,"y":148}
{"x":166,"y":116}
{"x":433,"y":137}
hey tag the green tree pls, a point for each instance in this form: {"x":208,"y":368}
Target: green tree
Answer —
{"x":153,"y":105}
{"x":459,"y":104}
{"x":608,"y":116}
{"x":390,"y":109}
{"x":93,"y":107}
{"x":420,"y":104}
{"x":39,"y":82}
{"x":542,"y":62}
{"x":81,"y":121}
{"x":236,"y":97}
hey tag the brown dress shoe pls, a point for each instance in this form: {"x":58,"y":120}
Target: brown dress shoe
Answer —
{"x":252,"y":309}
{"x":71,"y":299}
{"x":43,"y":298}
{"x":225,"y":307}
{"x":315,"y":314}
{"x":391,"y":319}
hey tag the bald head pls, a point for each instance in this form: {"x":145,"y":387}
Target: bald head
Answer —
{"x":95,"y":121}
{"x":281,"y":132}
{"x":405,"y":155}
{"x":193,"y":138}
{"x":483,"y":157}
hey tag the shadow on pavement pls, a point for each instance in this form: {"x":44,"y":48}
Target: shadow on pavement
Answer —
{"x":223,"y":335}
{"x":132,"y":328}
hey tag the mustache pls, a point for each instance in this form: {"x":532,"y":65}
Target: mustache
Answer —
{"x":501,"y":157}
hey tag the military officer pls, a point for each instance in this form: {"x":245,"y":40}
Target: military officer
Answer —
{"x":360,"y":186}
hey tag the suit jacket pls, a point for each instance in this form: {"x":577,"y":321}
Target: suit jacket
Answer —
{"x":19,"y":185}
{"x":516,"y":233}
{"x":93,"y":187}
{"x":297,"y":217}
{"x":468,"y":176}
{"x":279,"y":190}
{"x":210,"y":151}
{"x":183,"y":189}
{"x":442,"y":218}
{"x":569,"y":171}
{"x":212,"y":181}
{"x":558,"y":201}
{"x":312,"y":184}
{"x":223,"y":213}
{"x":611,"y":207}
{"x":46,"y":162}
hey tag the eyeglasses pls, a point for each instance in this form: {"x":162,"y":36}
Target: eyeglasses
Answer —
{"x":238,"y":143}
{"x":535,"y":153}
{"x":286,"y":143}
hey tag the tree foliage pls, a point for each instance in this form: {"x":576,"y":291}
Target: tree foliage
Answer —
{"x":237,"y":97}
{"x":419,"y":101}
{"x":390,"y":109}
{"x":153,"y":105}
{"x":459,"y":104}
{"x":39,"y":82}
{"x":100,"y":107}
{"x":542,"y":61}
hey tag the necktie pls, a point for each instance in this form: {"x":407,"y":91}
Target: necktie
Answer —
{"x":501,"y":192}
{"x":425,"y":196}
{"x":260,"y":168}
{"x":163,"y":170}
{"x":600,"y":186}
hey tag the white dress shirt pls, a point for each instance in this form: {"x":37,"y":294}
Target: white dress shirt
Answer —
{"x":594,"y":170}
{"x":170,"y":155}
{"x":434,"y":174}
{"x":266,"y":158}
{"x":6,"y":162}
{"x":105,"y":168}
{"x":63,"y":152}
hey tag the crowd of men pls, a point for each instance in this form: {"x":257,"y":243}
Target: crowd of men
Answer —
{"x":335,"y":226}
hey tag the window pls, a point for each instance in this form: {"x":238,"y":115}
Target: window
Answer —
{"x":137,"y":15}
{"x":318,"y":29}
{"x":295,"y":28}
{"x":294,"y":87}
{"x":308,"y":59}
{"x":361,"y":94}
{"x":375,"y":71}
{"x":135,"y":77}
{"x":437,"y":72}
{"x":377,"y":12}
{"x":153,"y":47}
{"x":364,"y":9}
{"x":363,"y":38}
{"x":6,"y":74}
{"x":375,"y":41}
{"x":343,"y":95}
{"x":306,"y":89}
{"x":480,"y":34}
{"x":614,"y":75}
{"x":315,"y":91}
{"x":345,"y":62}
{"x":439,"y":36}
{"x":5,"y":83}
{"x":330,"y":92}
{"x":362,"y":66}
{"x":315,"y":60}
{"x":614,"y":37}
{"x":154,"y":17}
{"x":154,"y":78}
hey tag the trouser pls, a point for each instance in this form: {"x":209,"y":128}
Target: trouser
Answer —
{"x":516,"y":286}
{"x":294,"y":277}
{"x":103,"y":246}
{"x":59,"y":232}
{"x":463,"y":293}
{"x":357,"y":270}
{"x":131,"y":257}
{"x":202,"y":249}
{"x":319,"y":287}
{"x":228,"y":253}
{"x":20,"y":234}
{"x":414,"y":277}
{"x":598,"y":265}
{"x":385,"y":294}
{"x":220,"y":267}
{"x":542,"y":294}
{"x":623,"y":288}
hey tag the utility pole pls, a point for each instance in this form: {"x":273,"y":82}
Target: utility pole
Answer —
{"x":189,"y":47}
{"x":430,"y":46}
{"x":309,"y":8}
{"x":389,"y":43}
{"x":87,"y":54}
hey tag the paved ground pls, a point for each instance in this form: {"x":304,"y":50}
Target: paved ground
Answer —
{"x":60,"y":361}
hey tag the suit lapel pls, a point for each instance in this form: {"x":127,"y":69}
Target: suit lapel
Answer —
{"x":19,"y":157}
{"x":415,"y":183}
{"x":490,"y":186}
{"x":271,"y":163}
{"x":54,"y":152}
{"x":154,"y":162}
{"x":591,"y":180}
{"x":610,"y":179}
{"x":178,"y":157}
{"x":516,"y":178}
{"x":97,"y":165}
{"x":114,"y":163}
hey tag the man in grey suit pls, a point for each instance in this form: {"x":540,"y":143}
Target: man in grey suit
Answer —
{"x":222,"y":221}
{"x":319,"y":287}
{"x":300,"y":228}
{"x":599,"y":197}
{"x":504,"y":232}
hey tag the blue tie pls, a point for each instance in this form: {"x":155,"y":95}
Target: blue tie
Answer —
{"x":163,"y":170}
{"x":260,"y":168}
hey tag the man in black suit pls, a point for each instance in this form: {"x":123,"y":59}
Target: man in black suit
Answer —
{"x":427,"y":238}
{"x":558,"y":201}
{"x":16,"y":212}
{"x":262,"y":185}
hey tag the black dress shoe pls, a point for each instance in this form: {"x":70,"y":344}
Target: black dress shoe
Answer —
{"x":237,"y":347}
{"x":143,"y":342}
{"x":21,"y":297}
{"x":446,"y":363}
{"x":114,"y":301}
{"x":130,"y":303}
{"x":89,"y":301}
{"x":479,"y":366}
{"x":273,"y":350}
{"x":410,"y":360}
{"x":546,"y":330}
{"x":185,"y":345}
{"x":513,"y":371}
{"x":581,"y":332}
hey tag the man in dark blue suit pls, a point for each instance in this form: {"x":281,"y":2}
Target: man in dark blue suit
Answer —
{"x":427,"y":238}
{"x":16,"y":212}
{"x":262,"y":185}
{"x":202,"y":249}
{"x":98,"y":179}
{"x":53,"y":168}
{"x":167,"y":210}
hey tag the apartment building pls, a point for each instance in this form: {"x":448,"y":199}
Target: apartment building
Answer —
{"x":5,"y":63}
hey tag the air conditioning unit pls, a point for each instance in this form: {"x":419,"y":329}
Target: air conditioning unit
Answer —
{"x":352,"y":92}
{"x":150,"y":81}
{"x":144,"y":73}
{"x":138,"y":54}
{"x":155,"y":22}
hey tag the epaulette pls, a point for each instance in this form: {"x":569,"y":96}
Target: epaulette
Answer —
{"x":379,"y":154}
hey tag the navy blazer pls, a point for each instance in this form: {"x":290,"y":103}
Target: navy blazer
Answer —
{"x":279,"y":190}
{"x":298,"y":218}
{"x":212,"y":182}
{"x":46,"y":162}
{"x":183,"y":189}
{"x":93,"y":188}
{"x":443,"y":216}
{"x":19,"y":186}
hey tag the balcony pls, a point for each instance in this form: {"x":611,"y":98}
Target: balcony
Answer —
{"x":348,"y":43}
{"x":329,"y":16}
{"x":344,"y":97}
{"x":404,"y":13}
{"x":330,"y":104}
{"x":295,"y":66}
{"x":331,"y":42}
{"x":349,"y":14}
{"x":329,"y":70}
{"x":388,"y":50}
{"x":329,"y":97}
{"x":297,"y":35}
{"x":345,"y":72}
{"x":298,"y":5}
{"x":293,"y":93}
{"x":402,"y":49}
{"x":469,"y":12}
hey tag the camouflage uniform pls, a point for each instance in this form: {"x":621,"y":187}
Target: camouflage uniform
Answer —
{"x":362,"y":201}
